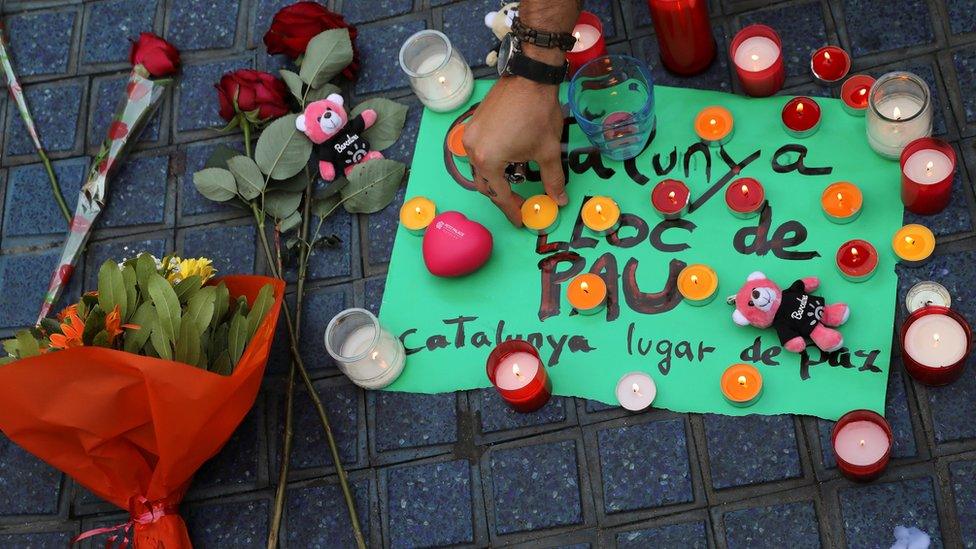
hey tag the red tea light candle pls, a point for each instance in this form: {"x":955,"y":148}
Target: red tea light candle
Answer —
{"x":913,"y":244}
{"x":855,"y":93}
{"x":857,"y":260}
{"x":757,"y":54}
{"x":589,"y":42}
{"x":671,"y":198}
{"x":416,"y":214}
{"x":540,"y":214}
{"x":587,"y":293}
{"x":928,"y":166}
{"x":455,"y":143}
{"x":517,"y":372}
{"x":862,"y":442}
{"x":745,"y":197}
{"x":742,"y":385}
{"x":841,"y":202}
{"x":801,"y":117}
{"x":601,"y":215}
{"x":935,"y":344}
{"x":830,"y":64}
{"x":698,"y":284}
{"x":714,"y":126}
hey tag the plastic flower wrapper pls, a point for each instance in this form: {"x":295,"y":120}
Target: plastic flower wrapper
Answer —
{"x":154,"y":59}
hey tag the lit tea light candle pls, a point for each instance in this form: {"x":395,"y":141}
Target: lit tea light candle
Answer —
{"x":698,"y":284}
{"x":587,"y":293}
{"x":714,"y":126}
{"x":417,"y":213}
{"x":517,"y":372}
{"x":935,"y":343}
{"x":857,"y":260}
{"x":670,"y":198}
{"x":589,"y":42}
{"x":756,"y":52}
{"x":841,"y":202}
{"x":455,"y":142}
{"x":801,"y":117}
{"x":742,"y":385}
{"x":601,"y":215}
{"x":928,"y":166}
{"x":369,"y":354}
{"x":830,"y":64}
{"x":437,"y":71}
{"x":540,"y":214}
{"x":862,"y":442}
{"x":854,"y":92}
{"x":745,"y":197}
{"x":913,"y":244}
{"x":636,"y":391}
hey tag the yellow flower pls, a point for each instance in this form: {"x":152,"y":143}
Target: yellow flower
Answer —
{"x":201,"y":267}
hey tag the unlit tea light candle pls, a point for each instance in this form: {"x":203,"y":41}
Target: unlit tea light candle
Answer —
{"x":636,"y":391}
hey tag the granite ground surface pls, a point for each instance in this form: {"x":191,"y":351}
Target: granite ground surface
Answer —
{"x":461,"y":469}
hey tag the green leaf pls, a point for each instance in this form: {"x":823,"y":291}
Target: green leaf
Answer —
{"x":296,"y":183}
{"x":221,"y":304}
{"x":221,"y":154}
{"x":321,"y":93}
{"x":218,"y":343}
{"x":111,"y":288}
{"x":250,"y":182}
{"x":94,"y":323}
{"x":372,"y":185}
{"x":200,"y":308}
{"x":290,"y":222}
{"x":161,"y":342}
{"x":186,"y":288}
{"x":282,"y":150}
{"x":294,"y":83}
{"x":390,"y":118}
{"x":222,"y":365}
{"x":131,"y":293}
{"x":145,"y":318}
{"x":27,"y":345}
{"x":167,"y":308}
{"x":101,"y":339}
{"x":216,"y":184}
{"x":323,"y":207}
{"x":188,"y":344}
{"x":281,"y":204}
{"x":262,"y":304}
{"x":145,"y":267}
{"x":326,"y":55}
{"x":237,"y":337}
{"x":50,"y":326}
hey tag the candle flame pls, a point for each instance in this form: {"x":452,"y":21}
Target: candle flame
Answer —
{"x":537,"y":208}
{"x":671,"y":196}
{"x":599,"y":210}
{"x":374,"y":355}
{"x":441,"y":79}
{"x":694,"y":279}
{"x":799,"y":108}
{"x":417,"y":210}
{"x":897,"y":113}
{"x":840,"y":197}
{"x":827,"y":56}
{"x":636,"y":388}
{"x":861,"y":442}
{"x":864,"y":91}
{"x":929,"y":166}
{"x":713,"y":121}
{"x":935,"y":340}
{"x":516,"y":371}
{"x":585,"y":287}
{"x":576,"y":35}
{"x":754,"y":57}
{"x":910,"y":240}
{"x":742,"y":380}
{"x":744,"y":189}
{"x":854,"y":252}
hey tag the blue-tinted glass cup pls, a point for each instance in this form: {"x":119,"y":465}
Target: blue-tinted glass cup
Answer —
{"x":612,"y":99}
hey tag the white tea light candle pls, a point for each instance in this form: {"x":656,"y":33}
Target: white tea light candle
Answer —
{"x":365,"y":351}
{"x":756,"y":53}
{"x":861,"y":443}
{"x":936,"y":341}
{"x":636,"y":391}
{"x":928,"y":166}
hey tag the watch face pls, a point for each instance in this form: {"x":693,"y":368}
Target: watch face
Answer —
{"x":505,"y":53}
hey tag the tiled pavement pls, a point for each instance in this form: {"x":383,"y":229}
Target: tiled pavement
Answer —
{"x":461,"y":469}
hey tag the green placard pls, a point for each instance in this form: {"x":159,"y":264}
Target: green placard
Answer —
{"x":450,"y":325}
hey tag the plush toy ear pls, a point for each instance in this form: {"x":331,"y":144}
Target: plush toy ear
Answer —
{"x":300,"y":122}
{"x":740,"y":318}
{"x":335,"y":98}
{"x":490,"y":18}
{"x":755,"y":275}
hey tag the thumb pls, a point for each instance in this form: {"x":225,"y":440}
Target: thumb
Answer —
{"x":553,"y":178}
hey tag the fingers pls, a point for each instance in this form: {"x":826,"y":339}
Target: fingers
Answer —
{"x":497,"y":188}
{"x":553,"y":178}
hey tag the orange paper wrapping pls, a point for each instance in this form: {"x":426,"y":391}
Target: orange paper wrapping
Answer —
{"x":128,"y":426}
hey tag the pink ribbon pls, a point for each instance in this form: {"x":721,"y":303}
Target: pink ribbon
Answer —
{"x":155,"y":511}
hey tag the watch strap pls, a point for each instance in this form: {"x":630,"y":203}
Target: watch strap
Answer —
{"x":536,"y":71}
{"x":562,"y":40}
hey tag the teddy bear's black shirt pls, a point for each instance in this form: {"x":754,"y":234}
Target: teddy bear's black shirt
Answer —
{"x":798,"y":313}
{"x":345,"y":148}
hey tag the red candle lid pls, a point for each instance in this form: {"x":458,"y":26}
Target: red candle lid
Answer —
{"x":670,"y":196}
{"x":801,"y":114}
{"x":857,"y":257}
{"x":830,"y":63}
{"x":745,"y":195}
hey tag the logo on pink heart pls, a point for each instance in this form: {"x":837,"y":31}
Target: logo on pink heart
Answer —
{"x":455,"y":245}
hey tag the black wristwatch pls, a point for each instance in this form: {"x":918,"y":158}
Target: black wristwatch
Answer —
{"x":562,"y":40}
{"x":512,"y":61}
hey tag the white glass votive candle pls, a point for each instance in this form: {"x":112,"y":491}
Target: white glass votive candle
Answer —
{"x":899,"y":112}
{"x":365,"y":351}
{"x":438,"y":73}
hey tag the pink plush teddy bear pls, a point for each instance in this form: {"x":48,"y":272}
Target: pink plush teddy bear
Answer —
{"x":339,"y":141}
{"x":794,"y":313}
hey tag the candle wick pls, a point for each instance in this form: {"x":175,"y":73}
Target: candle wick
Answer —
{"x":515,"y":370}
{"x":441,"y":79}
{"x":935,"y":339}
{"x":840,"y":197}
{"x":694,"y":279}
{"x":910,"y":240}
{"x":577,"y":35}
{"x":742,"y":380}
{"x":827,"y":56}
{"x":928,"y":168}
{"x":862,"y":442}
{"x":897,"y":113}
{"x":745,"y":190}
{"x":585,"y":287}
{"x":799,"y":108}
{"x":537,"y":208}
{"x":417,"y":210}
{"x":636,"y":388}
{"x":713,"y":121}
{"x":599,"y":210}
{"x":374,"y":355}
{"x":864,"y":91}
{"x":671,"y":196}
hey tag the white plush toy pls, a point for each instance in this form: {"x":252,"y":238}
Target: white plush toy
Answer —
{"x":500,"y":22}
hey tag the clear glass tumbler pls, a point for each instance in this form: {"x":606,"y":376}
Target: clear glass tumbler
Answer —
{"x":365,"y":351}
{"x":899,"y":112}
{"x":612,"y":99}
{"x":438,"y":73}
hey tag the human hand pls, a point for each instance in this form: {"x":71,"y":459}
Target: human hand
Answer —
{"x":519,"y":120}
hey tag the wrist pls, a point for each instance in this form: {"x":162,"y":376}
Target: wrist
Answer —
{"x":549,"y":56}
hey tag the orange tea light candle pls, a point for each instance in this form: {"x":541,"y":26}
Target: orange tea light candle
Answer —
{"x":742,"y":384}
{"x":455,"y":142}
{"x":913,"y":244}
{"x":714,"y":126}
{"x":587,"y":293}
{"x":417,"y":213}
{"x":841,"y":202}
{"x":698,"y":284}
{"x":540,"y":214}
{"x":601,"y":215}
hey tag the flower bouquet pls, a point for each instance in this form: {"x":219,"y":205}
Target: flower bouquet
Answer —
{"x":137,"y":384}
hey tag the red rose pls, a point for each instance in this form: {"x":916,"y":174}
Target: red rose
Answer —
{"x":293,"y":26}
{"x":158,"y":56}
{"x":246,"y":90}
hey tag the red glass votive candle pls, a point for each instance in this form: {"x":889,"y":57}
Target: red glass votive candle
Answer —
{"x":928,"y":166}
{"x":745,"y":197}
{"x":857,"y":260}
{"x":830,"y":64}
{"x":589,"y":42}
{"x":801,"y":117}
{"x":757,"y":53}
{"x":861,"y":440}
{"x":670,"y":198}
{"x":935,"y":343}
{"x":855,"y":93}
{"x":684,"y":34}
{"x":517,"y":372}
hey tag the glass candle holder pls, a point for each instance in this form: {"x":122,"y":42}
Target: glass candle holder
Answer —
{"x":438,"y":73}
{"x":899,"y":112}
{"x":684,"y":34}
{"x":365,"y":351}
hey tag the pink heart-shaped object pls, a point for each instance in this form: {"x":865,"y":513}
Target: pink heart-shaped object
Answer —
{"x":455,"y":245}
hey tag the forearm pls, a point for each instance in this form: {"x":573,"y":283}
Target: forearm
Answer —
{"x":548,"y":16}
